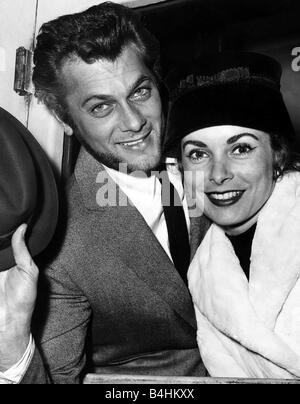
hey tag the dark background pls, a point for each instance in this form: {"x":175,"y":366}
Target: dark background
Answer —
{"x":189,"y":28}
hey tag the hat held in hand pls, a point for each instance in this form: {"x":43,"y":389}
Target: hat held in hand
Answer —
{"x":28,"y":192}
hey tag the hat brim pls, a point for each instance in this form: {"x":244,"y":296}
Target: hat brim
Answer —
{"x":43,"y":224}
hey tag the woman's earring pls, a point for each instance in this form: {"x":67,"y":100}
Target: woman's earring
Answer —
{"x":277,"y":174}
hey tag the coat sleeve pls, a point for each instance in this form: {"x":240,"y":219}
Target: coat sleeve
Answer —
{"x":61,"y":329}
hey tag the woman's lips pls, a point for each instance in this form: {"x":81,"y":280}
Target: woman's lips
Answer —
{"x":223,"y":199}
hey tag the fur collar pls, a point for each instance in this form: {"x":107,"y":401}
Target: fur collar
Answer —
{"x":252,"y":329}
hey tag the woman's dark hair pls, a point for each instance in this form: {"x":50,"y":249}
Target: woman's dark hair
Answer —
{"x":287,"y":156}
{"x":100,"y":32}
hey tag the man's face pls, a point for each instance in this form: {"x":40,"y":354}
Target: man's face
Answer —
{"x":116,"y":110}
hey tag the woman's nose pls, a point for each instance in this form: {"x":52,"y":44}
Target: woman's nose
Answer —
{"x":132,"y":119}
{"x":220,"y":173}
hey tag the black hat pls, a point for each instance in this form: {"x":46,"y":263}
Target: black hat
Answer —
{"x":28,"y":192}
{"x":229,"y":88}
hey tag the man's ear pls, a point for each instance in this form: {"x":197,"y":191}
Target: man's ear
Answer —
{"x":67,"y":129}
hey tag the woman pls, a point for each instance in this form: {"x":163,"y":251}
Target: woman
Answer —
{"x":233,"y":128}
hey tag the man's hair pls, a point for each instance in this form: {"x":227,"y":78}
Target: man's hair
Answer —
{"x":101,"y":32}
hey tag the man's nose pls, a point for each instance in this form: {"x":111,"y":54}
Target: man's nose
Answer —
{"x":132,"y":119}
{"x":220,"y":172}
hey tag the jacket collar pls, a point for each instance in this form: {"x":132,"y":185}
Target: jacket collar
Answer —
{"x":135,"y":242}
{"x":199,"y":228}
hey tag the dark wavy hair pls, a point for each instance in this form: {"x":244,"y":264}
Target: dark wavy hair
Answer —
{"x":287,"y":155}
{"x":101,"y":32}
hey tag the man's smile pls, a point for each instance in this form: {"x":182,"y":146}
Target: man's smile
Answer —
{"x":136,"y":144}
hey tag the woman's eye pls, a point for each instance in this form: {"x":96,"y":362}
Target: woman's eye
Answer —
{"x":142,"y":94}
{"x":197,"y":155}
{"x":242,"y":150}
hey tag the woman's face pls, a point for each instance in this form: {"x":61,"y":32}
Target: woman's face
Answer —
{"x":237,"y":166}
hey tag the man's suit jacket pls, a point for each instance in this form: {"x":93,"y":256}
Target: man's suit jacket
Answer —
{"x":112,"y":287}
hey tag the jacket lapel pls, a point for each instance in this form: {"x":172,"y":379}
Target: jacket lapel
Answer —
{"x":199,"y":228}
{"x":134,"y":241}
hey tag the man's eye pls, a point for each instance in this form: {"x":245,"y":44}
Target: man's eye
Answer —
{"x":197,"y":155}
{"x":102,"y":109}
{"x":142,"y":94}
{"x":242,"y":150}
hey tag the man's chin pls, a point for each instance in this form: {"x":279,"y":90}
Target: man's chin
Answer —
{"x":144,"y":164}
{"x":128,"y":163}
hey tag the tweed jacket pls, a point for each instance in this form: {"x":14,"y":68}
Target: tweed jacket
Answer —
{"x":114,"y":302}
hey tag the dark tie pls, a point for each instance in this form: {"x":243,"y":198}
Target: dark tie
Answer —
{"x":177,"y":228}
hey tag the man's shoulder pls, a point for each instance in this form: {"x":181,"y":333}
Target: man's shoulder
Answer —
{"x":72,"y":224}
{"x":73,"y":210}
{"x":78,"y":226}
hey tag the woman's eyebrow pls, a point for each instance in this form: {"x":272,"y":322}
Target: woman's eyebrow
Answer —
{"x":196,"y":143}
{"x":234,"y":139}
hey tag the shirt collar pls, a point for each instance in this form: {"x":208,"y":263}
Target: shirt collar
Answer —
{"x":143,"y":184}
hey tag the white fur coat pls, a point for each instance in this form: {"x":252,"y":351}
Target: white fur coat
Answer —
{"x":252,"y":329}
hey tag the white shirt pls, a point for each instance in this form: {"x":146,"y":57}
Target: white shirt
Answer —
{"x":145,"y":194}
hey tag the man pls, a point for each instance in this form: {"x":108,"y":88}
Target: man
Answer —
{"x":113,"y":285}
